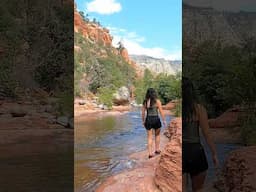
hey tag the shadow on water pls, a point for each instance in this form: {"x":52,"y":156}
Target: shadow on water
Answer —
{"x":38,"y":172}
{"x":103,"y":145}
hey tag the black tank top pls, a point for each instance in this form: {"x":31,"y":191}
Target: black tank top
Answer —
{"x":190,"y":132}
{"x":152,"y":111}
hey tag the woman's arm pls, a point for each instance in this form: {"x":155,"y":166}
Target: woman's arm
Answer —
{"x":143,"y":109}
{"x":203,"y":122}
{"x":159,"y":105}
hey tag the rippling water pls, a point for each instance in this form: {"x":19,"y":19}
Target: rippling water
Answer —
{"x":102,"y":147}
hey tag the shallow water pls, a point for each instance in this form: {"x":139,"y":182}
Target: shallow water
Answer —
{"x":103,"y":145}
{"x":49,"y":172}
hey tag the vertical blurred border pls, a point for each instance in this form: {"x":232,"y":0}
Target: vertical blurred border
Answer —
{"x":36,"y":95}
{"x":219,"y":55}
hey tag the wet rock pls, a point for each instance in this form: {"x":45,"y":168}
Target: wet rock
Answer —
{"x":168,"y":176}
{"x":71,"y":123}
{"x":17,"y":111}
{"x":63,"y":120}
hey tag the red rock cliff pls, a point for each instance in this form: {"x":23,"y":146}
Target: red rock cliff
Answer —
{"x":92,"y":31}
{"x":168,"y":176}
{"x":95,"y":33}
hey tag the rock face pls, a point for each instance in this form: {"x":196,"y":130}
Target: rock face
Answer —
{"x":98,"y":41}
{"x":200,"y":24}
{"x":92,"y":31}
{"x":168,"y":176}
{"x":157,"y":65}
{"x":169,"y":106}
{"x":239,"y":172}
{"x":227,"y":119}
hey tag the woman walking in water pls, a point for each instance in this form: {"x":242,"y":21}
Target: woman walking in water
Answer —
{"x":151,"y":106}
{"x":194,"y":162}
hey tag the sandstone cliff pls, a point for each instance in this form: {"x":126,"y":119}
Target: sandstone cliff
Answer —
{"x":98,"y":64}
{"x":168,"y":176}
{"x":239,"y":171}
{"x":92,"y":31}
{"x":97,"y":34}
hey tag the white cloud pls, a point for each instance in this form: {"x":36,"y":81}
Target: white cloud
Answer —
{"x":104,"y":7}
{"x":132,"y":42}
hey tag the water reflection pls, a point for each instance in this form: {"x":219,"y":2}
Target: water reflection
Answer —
{"x":102,"y":146}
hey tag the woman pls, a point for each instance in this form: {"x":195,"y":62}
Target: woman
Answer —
{"x":151,"y":106}
{"x":194,"y":161}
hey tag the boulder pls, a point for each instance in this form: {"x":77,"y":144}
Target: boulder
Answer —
{"x":71,"y":123}
{"x":122,"y":96}
{"x":17,"y":111}
{"x":63,"y":120}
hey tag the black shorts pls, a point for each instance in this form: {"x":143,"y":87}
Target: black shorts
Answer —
{"x":194,"y":160}
{"x":153,"y":122}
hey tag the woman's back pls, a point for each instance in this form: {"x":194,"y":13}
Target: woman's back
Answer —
{"x":190,"y":128}
{"x":152,"y":110}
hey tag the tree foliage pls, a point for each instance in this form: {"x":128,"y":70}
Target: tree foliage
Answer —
{"x":223,"y":75}
{"x":168,"y":87}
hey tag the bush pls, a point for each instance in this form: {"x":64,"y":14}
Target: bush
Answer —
{"x":105,"y":95}
{"x":178,"y":108}
{"x":248,"y":127}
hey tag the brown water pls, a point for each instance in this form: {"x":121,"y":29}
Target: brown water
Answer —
{"x":38,"y":172}
{"x":103,"y":145}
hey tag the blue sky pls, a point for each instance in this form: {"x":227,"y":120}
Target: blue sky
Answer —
{"x":149,"y":27}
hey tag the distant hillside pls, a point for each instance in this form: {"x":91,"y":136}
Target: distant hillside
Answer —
{"x":200,"y":24}
{"x":156,"y":65}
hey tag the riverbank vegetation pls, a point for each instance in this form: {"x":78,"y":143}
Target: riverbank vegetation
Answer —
{"x":224,"y":76}
{"x":168,"y":87}
{"x":36,"y":50}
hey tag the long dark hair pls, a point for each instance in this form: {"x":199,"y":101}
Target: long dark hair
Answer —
{"x":150,"y":95}
{"x":189,"y":100}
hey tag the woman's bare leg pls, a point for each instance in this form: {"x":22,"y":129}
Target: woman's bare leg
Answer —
{"x":198,"y":182}
{"x":157,"y":139}
{"x":149,"y":133}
